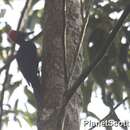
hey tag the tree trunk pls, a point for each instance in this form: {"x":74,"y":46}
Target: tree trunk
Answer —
{"x":61,"y":37}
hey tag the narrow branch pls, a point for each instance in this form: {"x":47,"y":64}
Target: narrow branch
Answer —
{"x":22,"y":14}
{"x":20,"y":22}
{"x":2,"y":97}
{"x":64,"y":45}
{"x":8,"y":61}
{"x":7,"y":65}
{"x":5,"y":112}
{"x":99,"y":58}
{"x":111,"y":112}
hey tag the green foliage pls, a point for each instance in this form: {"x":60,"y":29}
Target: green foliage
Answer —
{"x":9,"y":86}
{"x":31,"y":98}
{"x":115,"y":67}
{"x":30,"y":118}
{"x":112,"y":74}
{"x":86,"y":94}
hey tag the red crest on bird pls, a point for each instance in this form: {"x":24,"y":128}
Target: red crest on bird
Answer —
{"x":18,"y":37}
{"x":12,"y":36}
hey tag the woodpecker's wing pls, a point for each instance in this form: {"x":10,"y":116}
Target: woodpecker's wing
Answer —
{"x":28,"y":61}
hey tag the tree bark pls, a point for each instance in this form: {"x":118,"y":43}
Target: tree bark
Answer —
{"x":60,"y":38}
{"x":73,"y":64}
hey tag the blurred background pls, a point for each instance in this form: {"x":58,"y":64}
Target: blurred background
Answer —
{"x":107,"y":85}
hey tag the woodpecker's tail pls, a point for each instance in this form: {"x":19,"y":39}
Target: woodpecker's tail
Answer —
{"x":37,"y":93}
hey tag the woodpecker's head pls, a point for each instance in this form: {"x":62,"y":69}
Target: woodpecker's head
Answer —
{"x":12,"y":35}
{"x":18,"y":36}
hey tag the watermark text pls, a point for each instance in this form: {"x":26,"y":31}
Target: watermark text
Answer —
{"x":109,"y":123}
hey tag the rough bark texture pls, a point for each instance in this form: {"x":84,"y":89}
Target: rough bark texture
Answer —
{"x":73,"y":34}
{"x":26,"y":14}
{"x":54,"y":82}
{"x":53,"y":65}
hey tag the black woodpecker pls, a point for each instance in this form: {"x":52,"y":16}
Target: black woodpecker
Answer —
{"x":27,"y":59}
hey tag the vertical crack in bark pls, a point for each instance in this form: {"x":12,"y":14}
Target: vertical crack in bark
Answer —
{"x":57,"y":62}
{"x":82,"y":37}
{"x":64,"y":45}
{"x":99,"y":58}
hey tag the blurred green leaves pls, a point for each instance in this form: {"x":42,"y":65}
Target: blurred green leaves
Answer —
{"x":112,"y":74}
{"x":7,"y":54}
